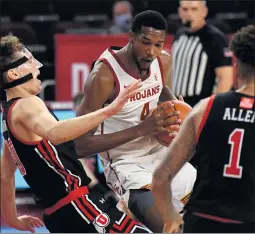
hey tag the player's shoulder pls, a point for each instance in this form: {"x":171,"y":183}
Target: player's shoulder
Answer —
{"x":202,"y":104}
{"x":27,"y":105}
{"x":200,"y":108}
{"x":30,"y":102}
{"x":101,"y":76}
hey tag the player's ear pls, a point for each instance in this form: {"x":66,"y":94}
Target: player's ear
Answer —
{"x":13,"y":74}
{"x":131,"y":36}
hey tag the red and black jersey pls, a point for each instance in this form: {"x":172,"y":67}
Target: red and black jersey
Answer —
{"x":51,"y":171}
{"x":225,"y":152}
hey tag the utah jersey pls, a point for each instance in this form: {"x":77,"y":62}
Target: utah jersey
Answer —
{"x":225,"y":185}
{"x":134,"y":111}
{"x":51,"y":171}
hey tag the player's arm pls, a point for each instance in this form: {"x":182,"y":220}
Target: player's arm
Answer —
{"x":38,"y":119}
{"x":166,"y":93}
{"x":181,"y":151}
{"x":98,"y":89}
{"x":8,"y":204}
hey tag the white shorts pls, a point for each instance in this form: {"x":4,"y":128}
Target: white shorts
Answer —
{"x":126,"y":175}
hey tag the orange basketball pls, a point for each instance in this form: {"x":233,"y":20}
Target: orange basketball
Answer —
{"x":184,"y":109}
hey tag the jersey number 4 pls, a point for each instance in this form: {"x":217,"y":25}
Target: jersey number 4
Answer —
{"x":145,"y":111}
{"x":233,"y":168}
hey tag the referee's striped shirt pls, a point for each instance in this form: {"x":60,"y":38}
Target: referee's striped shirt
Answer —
{"x":194,"y":59}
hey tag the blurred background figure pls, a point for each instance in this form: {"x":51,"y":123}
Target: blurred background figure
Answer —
{"x":200,"y":55}
{"x":122,"y":17}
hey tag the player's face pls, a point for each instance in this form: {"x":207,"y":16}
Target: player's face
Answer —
{"x":146,"y":46}
{"x":193,"y":11}
{"x":31,"y":66}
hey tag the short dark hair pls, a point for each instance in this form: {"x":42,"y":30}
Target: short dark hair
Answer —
{"x":8,"y":46}
{"x":243,"y":47}
{"x":148,"y":18}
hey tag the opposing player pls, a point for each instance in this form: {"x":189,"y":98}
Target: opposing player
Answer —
{"x":220,"y":131}
{"x":43,"y":150}
{"x":125,"y":141}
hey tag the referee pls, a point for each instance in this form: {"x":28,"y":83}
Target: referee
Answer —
{"x":200,"y":56}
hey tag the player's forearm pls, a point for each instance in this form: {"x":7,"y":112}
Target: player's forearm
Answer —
{"x":162,"y":193}
{"x":70,"y":129}
{"x":8,"y":204}
{"x":166,"y":94}
{"x":99,"y":143}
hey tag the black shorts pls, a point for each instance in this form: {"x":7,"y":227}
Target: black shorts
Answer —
{"x":197,"y":224}
{"x":90,"y":214}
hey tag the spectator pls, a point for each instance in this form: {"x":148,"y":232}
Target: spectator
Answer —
{"x":122,"y":17}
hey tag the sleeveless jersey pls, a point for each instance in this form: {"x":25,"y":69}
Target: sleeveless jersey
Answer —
{"x":225,"y":185}
{"x":134,"y":111}
{"x":51,"y":171}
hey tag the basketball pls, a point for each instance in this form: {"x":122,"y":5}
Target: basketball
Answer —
{"x":184,"y":109}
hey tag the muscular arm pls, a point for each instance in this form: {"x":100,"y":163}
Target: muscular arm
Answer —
{"x":32,"y":113}
{"x":8,"y":204}
{"x":166,"y":94}
{"x":181,"y":151}
{"x":99,"y":88}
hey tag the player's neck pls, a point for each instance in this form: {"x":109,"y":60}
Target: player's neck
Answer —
{"x":130,"y":62}
{"x":16,"y":92}
{"x":247,"y":88}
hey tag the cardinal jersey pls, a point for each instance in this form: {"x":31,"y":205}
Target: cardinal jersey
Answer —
{"x":134,"y":111}
{"x":131,"y":165}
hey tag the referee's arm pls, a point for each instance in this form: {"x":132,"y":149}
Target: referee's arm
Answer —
{"x":222,"y":60}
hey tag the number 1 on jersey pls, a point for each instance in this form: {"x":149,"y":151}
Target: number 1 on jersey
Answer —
{"x":145,"y":111}
{"x":233,"y":168}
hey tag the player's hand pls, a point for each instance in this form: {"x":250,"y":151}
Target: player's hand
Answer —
{"x":124,"y":96}
{"x":173,"y":226}
{"x":28,"y":223}
{"x":157,"y":120}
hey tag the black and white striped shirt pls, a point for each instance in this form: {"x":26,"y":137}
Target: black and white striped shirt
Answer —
{"x":194,"y":59}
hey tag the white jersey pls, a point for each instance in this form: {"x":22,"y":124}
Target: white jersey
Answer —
{"x":133,"y":111}
{"x":131,"y":165}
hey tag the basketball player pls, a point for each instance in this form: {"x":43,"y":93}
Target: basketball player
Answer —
{"x":125,"y":141}
{"x":220,"y":131}
{"x":43,"y":150}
